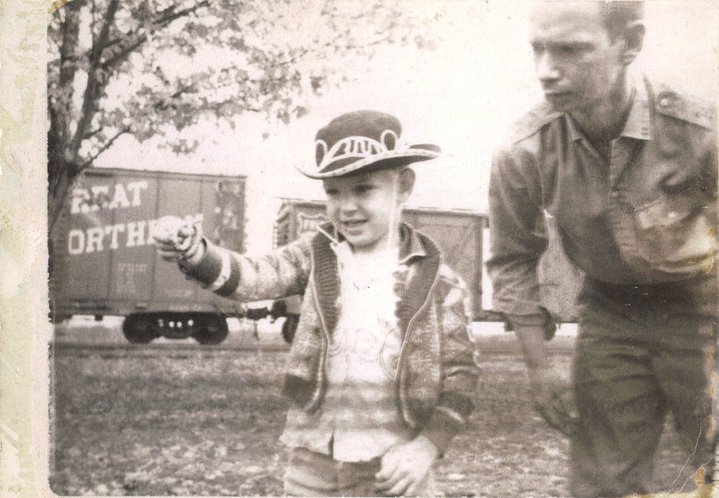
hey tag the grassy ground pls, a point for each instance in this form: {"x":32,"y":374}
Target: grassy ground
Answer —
{"x":205,"y":421}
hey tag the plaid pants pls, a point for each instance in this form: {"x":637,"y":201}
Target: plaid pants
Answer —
{"x":642,"y":352}
{"x":314,"y":474}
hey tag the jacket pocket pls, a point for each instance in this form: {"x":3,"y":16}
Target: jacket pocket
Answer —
{"x":677,"y":233}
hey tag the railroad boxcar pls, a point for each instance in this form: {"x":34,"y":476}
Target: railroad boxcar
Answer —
{"x":463,"y":236}
{"x":102,"y":261}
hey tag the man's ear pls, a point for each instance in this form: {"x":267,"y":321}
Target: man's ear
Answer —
{"x":633,"y":41}
{"x":406,"y":184}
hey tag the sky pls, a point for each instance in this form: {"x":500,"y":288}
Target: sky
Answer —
{"x":462,"y":96}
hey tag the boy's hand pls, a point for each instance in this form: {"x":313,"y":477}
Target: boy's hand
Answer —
{"x":405,"y":465}
{"x":176,"y":239}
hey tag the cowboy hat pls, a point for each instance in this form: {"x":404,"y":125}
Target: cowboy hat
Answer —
{"x":364,"y":141}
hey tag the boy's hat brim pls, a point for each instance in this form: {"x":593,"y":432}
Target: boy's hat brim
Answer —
{"x":364,"y":141}
{"x":388,"y":160}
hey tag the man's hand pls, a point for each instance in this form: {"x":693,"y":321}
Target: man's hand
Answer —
{"x":405,"y":466}
{"x":553,"y":398}
{"x":176,"y":239}
{"x":551,"y":386}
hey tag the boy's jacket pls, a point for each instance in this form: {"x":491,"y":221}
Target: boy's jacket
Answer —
{"x":436,"y":374}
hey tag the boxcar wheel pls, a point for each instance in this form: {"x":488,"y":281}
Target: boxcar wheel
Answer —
{"x":137,"y":330}
{"x":212,"y":331}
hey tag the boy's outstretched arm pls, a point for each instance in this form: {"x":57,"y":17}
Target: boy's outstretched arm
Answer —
{"x":281,"y":273}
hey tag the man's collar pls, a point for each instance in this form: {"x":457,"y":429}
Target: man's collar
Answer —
{"x":638,"y":123}
{"x":574,"y":130}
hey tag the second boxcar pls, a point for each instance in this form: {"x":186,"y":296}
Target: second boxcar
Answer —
{"x":462,"y":236}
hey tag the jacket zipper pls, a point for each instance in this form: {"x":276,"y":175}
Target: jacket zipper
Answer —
{"x":402,"y":350}
{"x":325,"y":334}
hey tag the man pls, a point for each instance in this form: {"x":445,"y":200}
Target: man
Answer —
{"x":628,"y":171}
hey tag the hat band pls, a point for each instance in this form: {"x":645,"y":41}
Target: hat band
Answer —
{"x":356,"y":147}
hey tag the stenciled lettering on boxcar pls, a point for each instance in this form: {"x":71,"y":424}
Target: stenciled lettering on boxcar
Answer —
{"x":90,"y":203}
{"x":309,"y":223}
{"x":126,"y":278}
{"x":103,"y":197}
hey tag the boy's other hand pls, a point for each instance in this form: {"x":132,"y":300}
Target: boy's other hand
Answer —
{"x":176,"y":239}
{"x":405,"y":466}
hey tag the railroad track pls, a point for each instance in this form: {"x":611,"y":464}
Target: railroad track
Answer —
{"x":155,"y":349}
{"x":65,"y":348}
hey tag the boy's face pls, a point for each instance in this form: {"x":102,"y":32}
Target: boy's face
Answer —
{"x":361,"y":206}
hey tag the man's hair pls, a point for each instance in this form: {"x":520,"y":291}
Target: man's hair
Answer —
{"x":617,"y":15}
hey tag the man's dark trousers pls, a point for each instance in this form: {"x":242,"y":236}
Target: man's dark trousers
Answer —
{"x":642,"y":352}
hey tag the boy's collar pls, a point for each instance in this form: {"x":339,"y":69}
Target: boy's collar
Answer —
{"x":410,"y":243}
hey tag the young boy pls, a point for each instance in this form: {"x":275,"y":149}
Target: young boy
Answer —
{"x":381,"y":367}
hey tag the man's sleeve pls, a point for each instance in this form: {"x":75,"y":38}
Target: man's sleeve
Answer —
{"x":281,"y":273}
{"x":517,"y":235}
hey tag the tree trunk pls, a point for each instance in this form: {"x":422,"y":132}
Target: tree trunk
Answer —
{"x":57,"y":194}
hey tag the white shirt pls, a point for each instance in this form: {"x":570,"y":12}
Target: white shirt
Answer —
{"x":358,"y":419}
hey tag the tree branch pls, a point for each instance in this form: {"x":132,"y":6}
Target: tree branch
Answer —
{"x":122,"y":55}
{"x":102,"y":149}
{"x":301,"y":53}
{"x":160,"y":22}
{"x":92,"y":133}
{"x":88,"y":99}
{"x":119,"y":39}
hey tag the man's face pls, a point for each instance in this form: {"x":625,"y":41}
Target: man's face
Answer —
{"x":362,"y":206}
{"x":577,"y":63}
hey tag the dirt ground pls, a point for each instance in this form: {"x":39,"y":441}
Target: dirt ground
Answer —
{"x":199,"y":420}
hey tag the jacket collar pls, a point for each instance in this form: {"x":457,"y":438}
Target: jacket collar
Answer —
{"x":425,"y":257}
{"x":410,"y":244}
{"x":414,"y":247}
